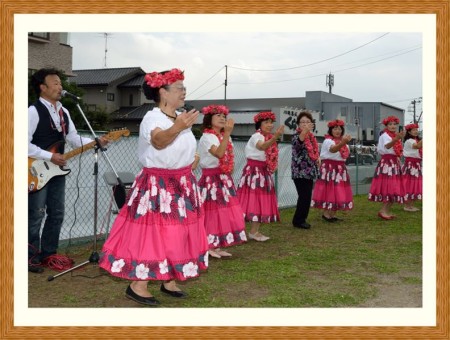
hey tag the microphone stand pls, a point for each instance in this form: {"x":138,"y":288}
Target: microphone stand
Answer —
{"x":94,"y":255}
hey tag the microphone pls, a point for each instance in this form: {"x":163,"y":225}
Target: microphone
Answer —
{"x":64,"y":93}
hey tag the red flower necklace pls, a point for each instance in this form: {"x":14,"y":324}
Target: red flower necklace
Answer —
{"x":398,"y":146}
{"x":271,"y":153}
{"x":311,"y":145}
{"x":226,"y":163}
{"x":344,"y":151}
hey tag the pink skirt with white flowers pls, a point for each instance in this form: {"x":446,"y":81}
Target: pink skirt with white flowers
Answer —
{"x":387,"y":183}
{"x":256,"y":192}
{"x":412,"y":178}
{"x":224,"y":219}
{"x":332,"y":190}
{"x":159,"y":233}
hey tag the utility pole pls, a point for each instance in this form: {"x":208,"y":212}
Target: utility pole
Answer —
{"x":226,"y":81}
{"x":330,"y":81}
{"x":414,"y":102}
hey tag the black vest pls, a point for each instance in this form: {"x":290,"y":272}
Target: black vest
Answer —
{"x":46,"y":135}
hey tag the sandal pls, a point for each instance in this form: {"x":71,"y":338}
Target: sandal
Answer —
{"x":214,"y":254}
{"x":258,"y":237}
{"x":223,"y":253}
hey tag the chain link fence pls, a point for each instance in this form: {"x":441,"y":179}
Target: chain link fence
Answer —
{"x":80,"y":222}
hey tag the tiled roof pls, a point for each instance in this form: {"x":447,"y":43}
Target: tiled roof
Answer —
{"x":103,"y":76}
{"x":136,"y":113}
{"x":133,"y":82}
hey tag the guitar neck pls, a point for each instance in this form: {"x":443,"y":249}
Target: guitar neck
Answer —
{"x":79,"y":150}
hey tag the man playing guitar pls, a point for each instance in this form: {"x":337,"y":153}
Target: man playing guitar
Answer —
{"x":49,"y":127}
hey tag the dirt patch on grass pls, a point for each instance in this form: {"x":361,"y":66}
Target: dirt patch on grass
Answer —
{"x":393,"y":291}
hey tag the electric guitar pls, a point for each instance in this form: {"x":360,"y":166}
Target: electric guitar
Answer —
{"x":41,"y":171}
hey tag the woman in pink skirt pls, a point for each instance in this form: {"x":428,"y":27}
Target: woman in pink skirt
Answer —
{"x":332,"y":190}
{"x":387,"y":184}
{"x":224,"y":219}
{"x":256,"y":190}
{"x":159,"y":233}
{"x":412,"y":167}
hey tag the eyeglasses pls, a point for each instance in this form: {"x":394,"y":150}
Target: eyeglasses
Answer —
{"x":179,"y":87}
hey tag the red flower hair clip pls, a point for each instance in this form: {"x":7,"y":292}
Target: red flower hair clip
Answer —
{"x":336,"y":122}
{"x":411,"y":126}
{"x":157,"y":80}
{"x":263,"y":116}
{"x":215,"y":110}
{"x":390,"y":119}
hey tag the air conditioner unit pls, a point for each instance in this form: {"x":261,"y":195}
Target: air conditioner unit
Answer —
{"x":369,"y":134}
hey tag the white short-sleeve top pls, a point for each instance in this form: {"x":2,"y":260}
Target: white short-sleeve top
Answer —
{"x":382,"y":141}
{"x":408,"y":150}
{"x":207,"y":160}
{"x":250,"y":149}
{"x":180,"y":153}
{"x":325,"y":152}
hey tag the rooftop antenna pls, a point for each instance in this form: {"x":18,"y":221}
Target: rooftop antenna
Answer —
{"x":106,"y":46}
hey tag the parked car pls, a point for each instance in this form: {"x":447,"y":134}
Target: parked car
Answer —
{"x":365,"y":154}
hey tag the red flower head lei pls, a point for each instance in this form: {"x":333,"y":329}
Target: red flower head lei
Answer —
{"x":390,"y":119}
{"x":157,"y":80}
{"x":215,"y":110}
{"x":411,"y":126}
{"x":398,"y":146}
{"x":263,"y":116}
{"x":336,"y":122}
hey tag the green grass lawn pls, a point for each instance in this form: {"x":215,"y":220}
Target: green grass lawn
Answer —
{"x":343,"y":264}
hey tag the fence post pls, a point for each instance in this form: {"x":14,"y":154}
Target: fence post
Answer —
{"x":357,"y":167}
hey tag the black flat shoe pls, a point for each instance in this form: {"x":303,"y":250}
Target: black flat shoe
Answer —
{"x":329,"y":219}
{"x":173,"y":293}
{"x":149,"y":301}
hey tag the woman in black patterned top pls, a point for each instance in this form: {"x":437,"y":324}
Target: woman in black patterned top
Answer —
{"x":305,"y":167}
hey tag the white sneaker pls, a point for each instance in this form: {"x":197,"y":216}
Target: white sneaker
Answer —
{"x":258,"y":237}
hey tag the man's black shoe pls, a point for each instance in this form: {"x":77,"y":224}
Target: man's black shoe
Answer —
{"x":303,"y":225}
{"x":35,"y":269}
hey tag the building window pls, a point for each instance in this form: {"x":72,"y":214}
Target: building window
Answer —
{"x":42,"y":35}
{"x":343,"y":111}
{"x":130,"y":103}
{"x":64,"y":38}
{"x":110,"y":97}
{"x":92,"y":107}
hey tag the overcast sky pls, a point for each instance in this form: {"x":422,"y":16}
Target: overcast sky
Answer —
{"x":367,"y":66}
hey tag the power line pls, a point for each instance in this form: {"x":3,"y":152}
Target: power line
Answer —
{"x":208,"y":92}
{"x":322,"y":74}
{"x":317,"y":62}
{"x":207,"y":80}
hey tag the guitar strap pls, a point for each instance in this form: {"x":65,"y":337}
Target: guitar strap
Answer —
{"x":63,"y":123}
